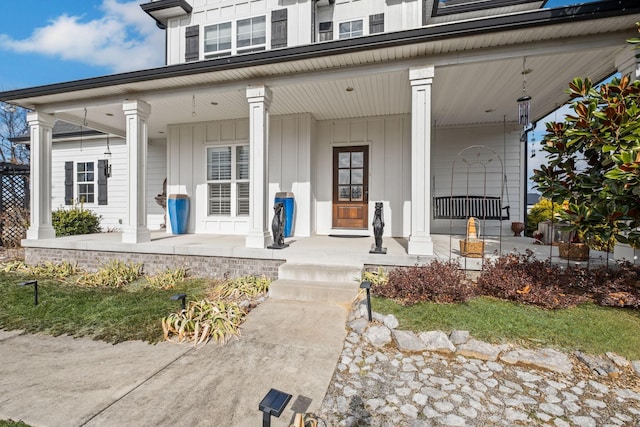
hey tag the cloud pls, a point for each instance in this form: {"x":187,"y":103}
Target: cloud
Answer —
{"x":123,"y":39}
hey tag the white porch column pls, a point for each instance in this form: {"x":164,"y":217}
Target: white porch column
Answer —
{"x":420,"y":239}
{"x":136,"y":113}
{"x":41,"y":135}
{"x":627,"y":63}
{"x":259,"y":98}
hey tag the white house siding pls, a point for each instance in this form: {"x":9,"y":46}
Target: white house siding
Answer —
{"x":448,"y":142}
{"x":289,"y":168}
{"x":156,"y":174}
{"x":91,"y":150}
{"x":207,"y":12}
{"x":398,"y":15}
{"x":389,"y":141}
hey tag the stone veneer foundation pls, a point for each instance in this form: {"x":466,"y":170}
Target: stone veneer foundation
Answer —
{"x":200,"y":266}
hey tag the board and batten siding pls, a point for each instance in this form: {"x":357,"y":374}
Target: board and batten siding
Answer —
{"x":448,"y":142}
{"x":290,"y":166}
{"x":91,"y":150}
{"x":156,"y":174}
{"x":389,"y":141}
{"x":289,"y":169}
{"x":401,"y":15}
{"x":208,"y":12}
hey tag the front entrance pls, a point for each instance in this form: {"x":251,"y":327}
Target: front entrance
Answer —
{"x":350,"y":187}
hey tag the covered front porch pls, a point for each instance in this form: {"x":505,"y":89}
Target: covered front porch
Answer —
{"x":202,"y":253}
{"x":280,"y":120}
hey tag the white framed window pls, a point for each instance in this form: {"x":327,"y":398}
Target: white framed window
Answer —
{"x":251,"y":34}
{"x":217,"y":39}
{"x":85,"y":179}
{"x":350,"y":29}
{"x":228,"y":180}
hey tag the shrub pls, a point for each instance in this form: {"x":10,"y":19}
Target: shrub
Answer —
{"x":50,"y":270}
{"x":243,"y":287}
{"x":115,"y":274}
{"x":615,"y":287}
{"x":377,"y":277}
{"x":167,"y":279}
{"x":543,"y":210}
{"x":521,"y":278}
{"x":442,"y":282}
{"x":203,"y":320}
{"x":75,"y":220}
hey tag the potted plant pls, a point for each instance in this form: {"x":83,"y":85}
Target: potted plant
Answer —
{"x":585,"y":226}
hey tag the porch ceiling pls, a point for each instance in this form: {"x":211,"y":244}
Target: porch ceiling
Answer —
{"x":477,"y":80}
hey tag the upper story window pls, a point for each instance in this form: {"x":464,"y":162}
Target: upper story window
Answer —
{"x":325,"y":31}
{"x":350,"y":29}
{"x":252,"y":34}
{"x":217,"y":38}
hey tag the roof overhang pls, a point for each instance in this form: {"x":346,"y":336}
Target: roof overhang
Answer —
{"x":478,"y":79}
{"x":450,"y":7}
{"x":163,"y":10}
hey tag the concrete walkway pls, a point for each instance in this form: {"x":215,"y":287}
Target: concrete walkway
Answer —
{"x":62,"y":381}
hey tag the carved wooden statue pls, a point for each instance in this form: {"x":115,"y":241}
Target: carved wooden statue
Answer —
{"x":378,"y":229}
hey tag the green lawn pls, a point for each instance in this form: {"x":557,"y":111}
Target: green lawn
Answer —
{"x":112,"y":315}
{"x":11,"y":423}
{"x":588,"y":328}
{"x":133,"y":313}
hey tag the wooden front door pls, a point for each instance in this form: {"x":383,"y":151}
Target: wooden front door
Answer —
{"x":350,"y":186}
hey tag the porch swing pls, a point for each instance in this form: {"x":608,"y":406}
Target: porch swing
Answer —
{"x":482,"y":206}
{"x":479,"y":162}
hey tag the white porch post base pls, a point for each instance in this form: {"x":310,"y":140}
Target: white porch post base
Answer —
{"x":420,"y":245}
{"x":36,"y":232}
{"x":136,"y":235}
{"x":258,"y":240}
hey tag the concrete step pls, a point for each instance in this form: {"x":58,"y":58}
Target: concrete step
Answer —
{"x":320,"y":272}
{"x":319,"y":291}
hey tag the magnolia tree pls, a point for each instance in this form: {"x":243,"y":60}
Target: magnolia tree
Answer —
{"x":593,"y":163}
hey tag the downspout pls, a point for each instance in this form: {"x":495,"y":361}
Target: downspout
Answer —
{"x":313,"y":20}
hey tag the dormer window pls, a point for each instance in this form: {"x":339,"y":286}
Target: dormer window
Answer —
{"x":252,"y":34}
{"x":350,"y":29}
{"x":217,"y":39}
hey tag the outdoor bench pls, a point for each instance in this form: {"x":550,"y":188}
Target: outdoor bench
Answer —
{"x":463,"y":207}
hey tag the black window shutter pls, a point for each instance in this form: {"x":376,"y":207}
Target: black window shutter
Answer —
{"x":192,"y":46}
{"x":376,"y":23}
{"x":68,"y":183}
{"x":278,"y":28}
{"x":102,"y":181}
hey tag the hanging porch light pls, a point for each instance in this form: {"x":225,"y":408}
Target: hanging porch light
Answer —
{"x":107,"y":163}
{"x":524,"y":102}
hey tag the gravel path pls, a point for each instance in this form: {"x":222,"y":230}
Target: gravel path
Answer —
{"x":382,"y":386}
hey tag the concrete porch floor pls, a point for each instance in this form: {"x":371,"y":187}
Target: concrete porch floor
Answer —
{"x":333,"y":250}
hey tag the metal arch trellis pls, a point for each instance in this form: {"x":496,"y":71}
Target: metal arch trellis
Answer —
{"x":14,"y":203}
{"x":472,"y":157}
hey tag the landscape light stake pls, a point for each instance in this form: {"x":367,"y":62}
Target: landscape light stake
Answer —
{"x":182,"y":298}
{"x":273,"y":404}
{"x":35,"y":289}
{"x":367,"y":285}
